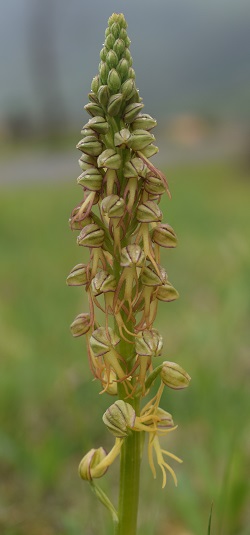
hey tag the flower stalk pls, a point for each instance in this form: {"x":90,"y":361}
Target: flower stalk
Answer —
{"x":119,"y":220}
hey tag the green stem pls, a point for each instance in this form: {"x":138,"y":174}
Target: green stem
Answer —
{"x":129,"y":483}
{"x":130,"y":458}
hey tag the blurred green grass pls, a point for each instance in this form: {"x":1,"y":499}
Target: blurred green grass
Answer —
{"x":50,"y":407}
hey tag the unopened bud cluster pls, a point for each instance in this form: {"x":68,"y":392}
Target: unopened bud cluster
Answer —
{"x":119,"y":220}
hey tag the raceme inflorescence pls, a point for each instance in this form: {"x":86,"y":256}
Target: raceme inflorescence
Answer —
{"x":119,"y":220}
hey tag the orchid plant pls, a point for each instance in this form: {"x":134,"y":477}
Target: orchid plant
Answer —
{"x":119,"y":220}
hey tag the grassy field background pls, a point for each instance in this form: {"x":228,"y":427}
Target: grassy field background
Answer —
{"x":50,"y":407}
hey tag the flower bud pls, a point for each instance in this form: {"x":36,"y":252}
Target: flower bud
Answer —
{"x":115,"y":29}
{"x":110,"y":41}
{"x":154,"y":185}
{"x":80,"y":325}
{"x":122,"y":69}
{"x":114,"y":104}
{"x":135,"y":98}
{"x":165,"y":419}
{"x":148,"y":212}
{"x":154,"y":197}
{"x":121,"y":138}
{"x":103,"y":95}
{"x":113,"y":206}
{"x":164,"y":236}
{"x":95,"y":84}
{"x":103,"y":71}
{"x":129,"y":170}
{"x":149,"y":343}
{"x":127,"y":41}
{"x":90,"y":145}
{"x":119,"y":418}
{"x":144,"y":121}
{"x":127,"y":55}
{"x":140,"y":139}
{"x":77,"y":223}
{"x":119,"y":47}
{"x":113,"y":18}
{"x":128,"y":88}
{"x":122,"y":21}
{"x":123,"y":34}
{"x":150,"y":150}
{"x":93,"y":97}
{"x":150,"y":277}
{"x":103,"y":282}
{"x":114,"y":81}
{"x":98,"y":124}
{"x":91,"y":460}
{"x":91,"y":236}
{"x":167,"y":293}
{"x":139,"y":166}
{"x":86,"y":161}
{"x":112,"y":59}
{"x":77,"y":276}
{"x":91,"y":179}
{"x":101,"y":341}
{"x":88,"y":132}
{"x":174,"y":376}
{"x":94,"y":109}
{"x":103,"y":54}
{"x":131,"y":73}
{"x":109,"y":382}
{"x":131,"y":111}
{"x":109,"y":159}
{"x":132,"y":255}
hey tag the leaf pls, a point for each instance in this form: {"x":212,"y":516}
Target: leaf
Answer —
{"x":210,"y":520}
{"x":104,"y":500}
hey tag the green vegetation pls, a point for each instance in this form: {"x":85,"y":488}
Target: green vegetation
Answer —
{"x":48,"y":402}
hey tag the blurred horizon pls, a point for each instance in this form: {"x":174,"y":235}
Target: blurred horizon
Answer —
{"x":191,"y":63}
{"x":189,"y":58}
